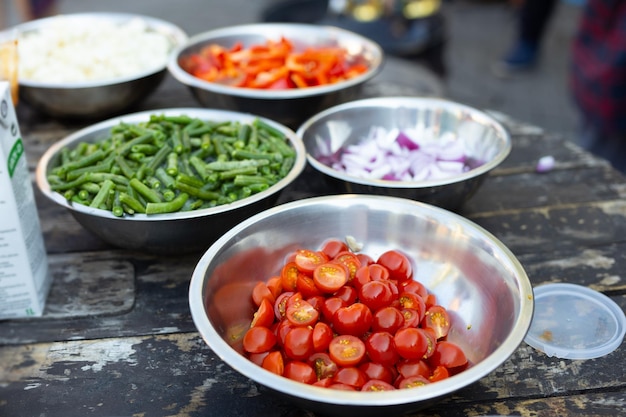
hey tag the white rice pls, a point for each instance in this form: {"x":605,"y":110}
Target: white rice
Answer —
{"x":73,"y":51}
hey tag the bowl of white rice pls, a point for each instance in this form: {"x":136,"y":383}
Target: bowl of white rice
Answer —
{"x":92,"y":65}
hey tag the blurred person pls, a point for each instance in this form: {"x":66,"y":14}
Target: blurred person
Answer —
{"x":28,"y":10}
{"x":598,"y":79}
{"x":533,"y":17}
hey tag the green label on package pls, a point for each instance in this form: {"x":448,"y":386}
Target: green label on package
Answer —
{"x":14,"y":156}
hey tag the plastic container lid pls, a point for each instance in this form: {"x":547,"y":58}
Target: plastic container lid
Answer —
{"x":574,"y":322}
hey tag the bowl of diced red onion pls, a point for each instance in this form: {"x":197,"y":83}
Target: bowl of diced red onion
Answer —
{"x":426,"y":149}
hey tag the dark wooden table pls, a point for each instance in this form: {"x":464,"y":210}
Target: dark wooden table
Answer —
{"x":117,"y":338}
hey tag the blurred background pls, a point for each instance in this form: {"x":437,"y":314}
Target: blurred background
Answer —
{"x":458,"y":40}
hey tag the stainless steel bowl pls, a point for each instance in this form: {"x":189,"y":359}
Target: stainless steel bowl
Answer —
{"x":166,"y":233}
{"x":472,"y":274}
{"x":289,"y":107}
{"x":485,"y":141}
{"x":95,"y":99}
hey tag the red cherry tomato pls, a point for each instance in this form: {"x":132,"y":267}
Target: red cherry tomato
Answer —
{"x":323,"y":365}
{"x":280,"y":306}
{"x":411,"y":317}
{"x":398,"y":264}
{"x":329,"y":277}
{"x":409,"y":368}
{"x":410,"y":343}
{"x":377,"y":371}
{"x":281,"y":331}
{"x":413,"y":382}
{"x":289,"y":276}
{"x":387,"y":319}
{"x":347,"y":294}
{"x":264,"y":315}
{"x":350,"y":261}
{"x":381,"y":349}
{"x":414,"y":302}
{"x":322,"y":335}
{"x":258,"y":339}
{"x":330,"y":307}
{"x":260,"y":292}
{"x":301,"y":313}
{"x":346,"y":350}
{"x":300,"y":371}
{"x":364,"y":258}
{"x":350,"y":376}
{"x":376,"y":385}
{"x":439,"y":373}
{"x":299,"y":343}
{"x":355,"y":319}
{"x":375,"y":295}
{"x":305,"y":285}
{"x":333,"y":247}
{"x":448,"y":354}
{"x":307,"y":260}
{"x":415,"y":287}
{"x":275,"y":285}
{"x":274,"y":362}
{"x":437,"y":318}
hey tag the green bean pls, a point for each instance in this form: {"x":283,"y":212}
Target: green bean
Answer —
{"x":197,"y":192}
{"x":167,"y":207}
{"x":166,"y":179}
{"x":226,"y":175}
{"x":90,"y":187}
{"x":117,"y":209}
{"x":80,"y":163}
{"x":127,"y":147}
{"x":144,"y":148}
{"x":242,"y":180}
{"x":148,"y":193}
{"x":228,"y":165}
{"x":172,"y":164}
{"x":134,"y":204}
{"x":127,"y":171}
{"x":100,"y":198}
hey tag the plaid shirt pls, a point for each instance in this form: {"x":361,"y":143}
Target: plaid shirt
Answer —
{"x":598,"y":70}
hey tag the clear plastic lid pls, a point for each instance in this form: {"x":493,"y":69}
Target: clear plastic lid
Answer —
{"x":574,"y":322}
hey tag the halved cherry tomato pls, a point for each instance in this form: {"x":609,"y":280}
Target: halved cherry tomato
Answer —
{"x":307,"y":260}
{"x":381,"y":348}
{"x":299,"y":343}
{"x":300,"y":371}
{"x":257,"y":358}
{"x":377,"y":371}
{"x":346,"y":350}
{"x":413,"y":382}
{"x":289,"y":276}
{"x":350,"y":260}
{"x":415,"y":287}
{"x":329,"y":277}
{"x":306,"y":286}
{"x":414,"y":367}
{"x":333,"y":247}
{"x":274,"y":362}
{"x":322,"y":335}
{"x":439,"y":373}
{"x":301,"y":313}
{"x":377,"y":385}
{"x":264,"y":315}
{"x":350,"y":375}
{"x":280,"y":306}
{"x":259,"y":339}
{"x":261,"y":291}
{"x":411,"y":317}
{"x":410,"y":343}
{"x":387,"y":319}
{"x":414,"y":302}
{"x":330,"y":307}
{"x":347,"y":294}
{"x":398,"y":264}
{"x":375,"y":295}
{"x":437,"y":318}
{"x":275,"y":286}
{"x":354,"y":319}
{"x":448,"y":354}
{"x":323,"y":365}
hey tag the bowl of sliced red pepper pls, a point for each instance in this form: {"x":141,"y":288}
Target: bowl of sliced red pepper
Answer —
{"x":283,"y":71}
{"x":359,"y":304}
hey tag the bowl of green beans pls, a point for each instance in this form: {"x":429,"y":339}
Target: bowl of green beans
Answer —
{"x":170,"y":180}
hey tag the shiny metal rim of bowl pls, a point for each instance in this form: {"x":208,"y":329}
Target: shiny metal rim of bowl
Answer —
{"x":307,"y":34}
{"x":362,"y":399}
{"x":399,"y":103}
{"x":94,"y":132}
{"x":175,"y":35}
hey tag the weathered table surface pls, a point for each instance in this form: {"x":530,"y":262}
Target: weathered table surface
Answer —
{"x":117,"y":338}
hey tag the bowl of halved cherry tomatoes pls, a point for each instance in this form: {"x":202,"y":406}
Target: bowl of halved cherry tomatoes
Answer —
{"x":283,"y":71}
{"x":361,"y":304}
